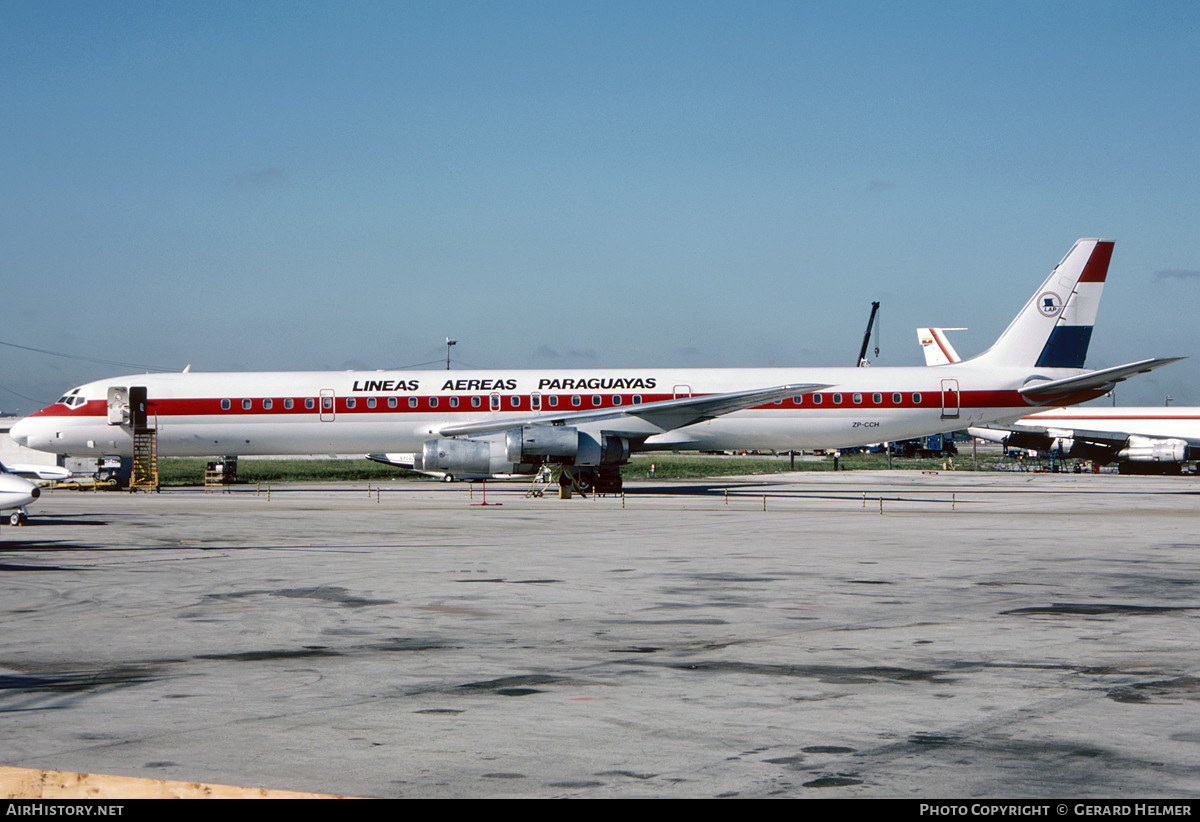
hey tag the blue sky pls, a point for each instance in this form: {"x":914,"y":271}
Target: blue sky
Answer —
{"x":327,"y":185}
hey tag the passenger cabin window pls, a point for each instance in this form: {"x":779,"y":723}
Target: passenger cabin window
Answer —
{"x":837,"y":399}
{"x":553,"y":401}
{"x":798,"y":400}
{"x":494,"y":404}
{"x":637,"y":399}
{"x":535,"y":402}
{"x":393,"y":402}
{"x":475,"y":402}
{"x":877,"y":398}
{"x":268,"y":404}
{"x":454,"y":402}
{"x":370,"y":402}
{"x":289,"y":403}
{"x":897,"y":399}
{"x":246,"y":404}
{"x":515,"y":402}
{"x":616,"y":399}
{"x":310,"y":403}
{"x":226,"y":405}
{"x":576,"y":400}
{"x":433,"y":402}
{"x":412,"y":402}
{"x":857,"y":399}
{"x":916,"y":399}
{"x":350,"y":402}
{"x":596,"y":400}
{"x":817,"y":399}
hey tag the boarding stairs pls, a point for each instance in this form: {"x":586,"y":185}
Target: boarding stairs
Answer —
{"x":145,"y":460}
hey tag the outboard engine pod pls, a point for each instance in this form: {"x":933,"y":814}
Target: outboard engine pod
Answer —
{"x":537,"y":443}
{"x":456,"y":456}
{"x":1151,"y":449}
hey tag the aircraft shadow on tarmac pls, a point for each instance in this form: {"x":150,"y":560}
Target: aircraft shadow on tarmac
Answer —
{"x":697,"y":489}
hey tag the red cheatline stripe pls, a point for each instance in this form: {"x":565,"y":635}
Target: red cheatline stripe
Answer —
{"x":178,"y":407}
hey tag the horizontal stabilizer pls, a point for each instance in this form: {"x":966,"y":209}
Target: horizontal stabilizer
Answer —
{"x":1101,"y":380}
{"x":664,"y":415}
{"x":398,"y":460}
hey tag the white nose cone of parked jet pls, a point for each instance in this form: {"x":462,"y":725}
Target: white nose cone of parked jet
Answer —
{"x":16,"y":492}
{"x":20,"y":431}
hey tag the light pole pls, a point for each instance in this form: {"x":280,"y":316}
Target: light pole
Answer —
{"x":449,"y":342}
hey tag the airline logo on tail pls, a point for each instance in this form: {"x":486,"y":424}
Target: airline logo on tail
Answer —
{"x":1051,"y":304}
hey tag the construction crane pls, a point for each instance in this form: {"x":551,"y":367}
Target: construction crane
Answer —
{"x":862,"y":354}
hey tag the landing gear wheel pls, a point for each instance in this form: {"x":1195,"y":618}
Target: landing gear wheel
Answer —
{"x":17,"y":518}
{"x":448,"y":478}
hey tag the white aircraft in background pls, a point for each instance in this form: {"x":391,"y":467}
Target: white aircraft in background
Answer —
{"x":483,"y":423}
{"x":1138,"y":439}
{"x":15,"y":493}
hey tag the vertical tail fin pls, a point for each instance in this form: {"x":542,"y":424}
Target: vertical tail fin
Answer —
{"x":937,"y":348}
{"x":1054,"y":328}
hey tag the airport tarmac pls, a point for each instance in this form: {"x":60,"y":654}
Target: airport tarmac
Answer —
{"x":862,"y":634}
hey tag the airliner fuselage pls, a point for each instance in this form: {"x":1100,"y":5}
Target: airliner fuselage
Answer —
{"x":204,"y":414}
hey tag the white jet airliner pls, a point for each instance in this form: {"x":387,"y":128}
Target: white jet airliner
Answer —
{"x":484,"y":423}
{"x":1139,"y":440}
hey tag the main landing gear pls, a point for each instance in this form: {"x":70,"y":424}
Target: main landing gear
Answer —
{"x":589,"y":480}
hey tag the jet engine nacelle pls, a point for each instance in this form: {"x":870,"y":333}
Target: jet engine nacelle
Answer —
{"x":520,"y":450}
{"x":561,"y":443}
{"x":463,"y":457}
{"x":1149,"y":449}
{"x":607,"y":449}
{"x":539,"y":443}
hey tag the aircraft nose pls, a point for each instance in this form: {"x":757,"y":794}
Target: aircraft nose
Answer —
{"x":20,"y":431}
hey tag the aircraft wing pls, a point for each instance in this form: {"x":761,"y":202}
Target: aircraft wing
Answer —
{"x":1101,"y":380}
{"x":1109,"y":438}
{"x":644,"y":419}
